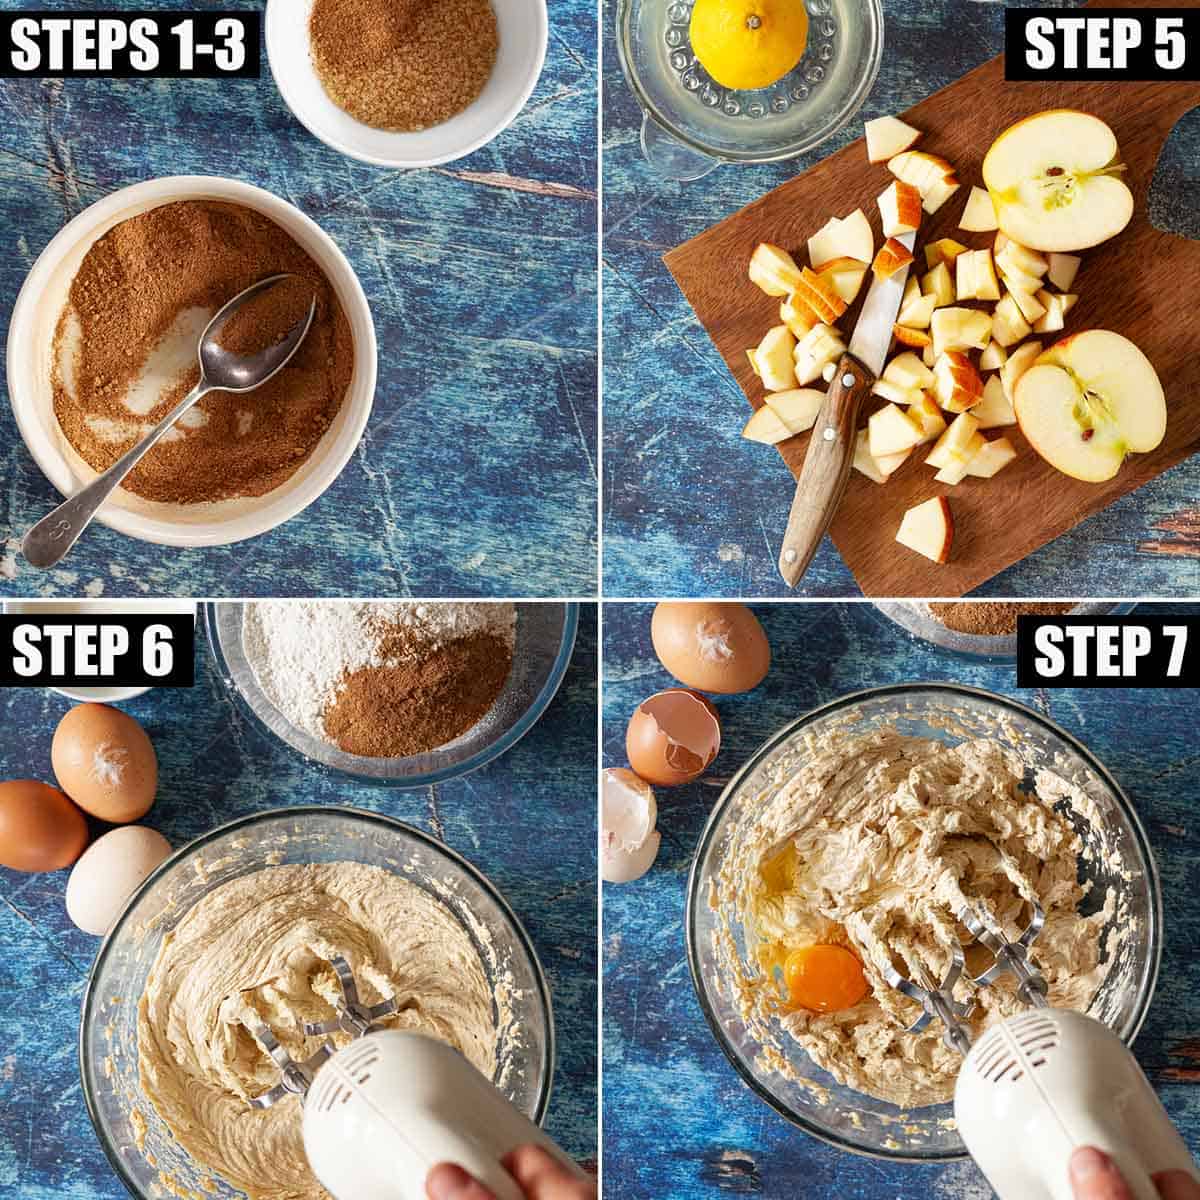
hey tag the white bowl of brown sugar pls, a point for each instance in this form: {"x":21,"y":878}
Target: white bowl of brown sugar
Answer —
{"x":104,"y":334}
{"x":406,"y":83}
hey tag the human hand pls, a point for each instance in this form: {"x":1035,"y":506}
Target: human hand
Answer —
{"x":539,"y":1177}
{"x":1094,"y":1176}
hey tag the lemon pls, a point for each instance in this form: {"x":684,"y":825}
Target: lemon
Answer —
{"x":746,"y":44}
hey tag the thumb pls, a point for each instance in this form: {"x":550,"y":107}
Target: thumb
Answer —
{"x":448,"y":1181}
{"x":1094,"y":1176}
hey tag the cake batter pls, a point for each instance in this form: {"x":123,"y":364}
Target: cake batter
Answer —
{"x":260,"y":945}
{"x":874,"y":844}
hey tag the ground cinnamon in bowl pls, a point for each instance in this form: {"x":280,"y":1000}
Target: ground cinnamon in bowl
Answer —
{"x":126,"y":342}
{"x":403,"y":65}
{"x":992,"y":618}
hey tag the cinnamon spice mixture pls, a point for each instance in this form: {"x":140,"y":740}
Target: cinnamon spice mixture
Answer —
{"x":992,"y":618}
{"x":125,"y":352}
{"x":403,"y":65}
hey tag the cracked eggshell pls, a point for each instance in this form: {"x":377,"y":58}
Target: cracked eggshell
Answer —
{"x":628,"y":812}
{"x":673,"y":737}
{"x":715,"y":647}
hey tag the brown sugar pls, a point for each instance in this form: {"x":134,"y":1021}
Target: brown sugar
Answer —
{"x":993,"y":618}
{"x":127,"y":299}
{"x":403,"y":65}
{"x":421,"y":703}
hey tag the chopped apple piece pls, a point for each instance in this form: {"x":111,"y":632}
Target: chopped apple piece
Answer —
{"x":993,"y":458}
{"x":774,"y":270}
{"x":845,"y":237}
{"x":957,"y":444}
{"x":863,"y":460}
{"x":927,"y":414}
{"x":957,"y":385}
{"x":1019,"y":361}
{"x":891,"y":257}
{"x":960,"y":329}
{"x":954,"y":473}
{"x":917,"y":313}
{"x":943,"y":250}
{"x":980,"y":214}
{"x":1055,"y":180}
{"x":766,"y":427}
{"x":1063,"y":268}
{"x":887,"y":137}
{"x":828,"y":371}
{"x":1090,"y":400}
{"x":994,"y":410}
{"x":928,"y":529}
{"x":909,"y":372}
{"x":894,"y":392}
{"x":773,"y":359}
{"x":912,"y":291}
{"x":1021,"y":260}
{"x":900,"y":209}
{"x":975,"y":276}
{"x":927,"y":355}
{"x":889,"y":464}
{"x":1055,"y":316}
{"x":820,"y":345}
{"x":797,"y":315}
{"x":933,"y":177}
{"x":1008,"y":325}
{"x":994,"y":354}
{"x":937,"y":283}
{"x":819,"y":293}
{"x":1031,"y":307}
{"x":918,"y":339}
{"x":797,"y":408}
{"x":938,"y":194}
{"x":891,"y":430}
{"x":964,"y":276}
{"x":846,"y":275}
{"x":753,"y":363}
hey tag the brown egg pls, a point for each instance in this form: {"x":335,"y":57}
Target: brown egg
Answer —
{"x":104,"y":761}
{"x":712,"y":646}
{"x":673,"y":737}
{"x":40,"y":829}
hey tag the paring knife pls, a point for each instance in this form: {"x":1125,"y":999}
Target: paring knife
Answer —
{"x":826,"y":469}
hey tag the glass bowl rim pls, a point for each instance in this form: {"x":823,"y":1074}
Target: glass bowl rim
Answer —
{"x":549,"y":1057}
{"x":856,"y":99}
{"x":1154,"y":958}
{"x":502,"y":745}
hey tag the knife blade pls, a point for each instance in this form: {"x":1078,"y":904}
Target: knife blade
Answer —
{"x":830,"y":455}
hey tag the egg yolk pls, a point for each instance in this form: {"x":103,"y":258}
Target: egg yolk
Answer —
{"x":824,"y":978}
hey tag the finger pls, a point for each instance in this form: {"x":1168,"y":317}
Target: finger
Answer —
{"x":543,"y":1178}
{"x":1094,"y":1176}
{"x":450,"y":1182}
{"x":1177,"y":1185}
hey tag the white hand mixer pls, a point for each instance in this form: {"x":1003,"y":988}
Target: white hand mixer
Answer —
{"x":383,"y":1110}
{"x":1041,"y":1084}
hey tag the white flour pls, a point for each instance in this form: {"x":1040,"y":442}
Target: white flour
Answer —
{"x":301,"y":649}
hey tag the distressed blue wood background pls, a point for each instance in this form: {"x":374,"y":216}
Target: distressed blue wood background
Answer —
{"x":477,"y":472}
{"x":661,"y":1063}
{"x":525,"y":820}
{"x":692,"y":509}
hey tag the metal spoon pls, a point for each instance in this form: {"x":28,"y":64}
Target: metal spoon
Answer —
{"x":49,"y":541}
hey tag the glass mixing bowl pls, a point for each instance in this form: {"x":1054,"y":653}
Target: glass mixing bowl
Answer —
{"x":108,"y":1053}
{"x":839,"y":1115}
{"x":691,"y":124}
{"x":545,"y":637}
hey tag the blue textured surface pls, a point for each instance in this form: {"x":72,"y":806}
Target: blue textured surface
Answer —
{"x":525,"y":820}
{"x":690,"y":508}
{"x":659,"y":1055}
{"x":476,"y":475}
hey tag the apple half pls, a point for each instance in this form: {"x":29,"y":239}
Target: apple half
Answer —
{"x":1088,"y":401}
{"x":1055,"y":181}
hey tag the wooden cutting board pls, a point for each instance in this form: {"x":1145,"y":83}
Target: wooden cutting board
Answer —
{"x":1143,"y":284}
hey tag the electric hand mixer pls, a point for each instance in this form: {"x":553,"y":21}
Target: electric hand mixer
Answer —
{"x":385,"y":1109}
{"x":1041,"y":1084}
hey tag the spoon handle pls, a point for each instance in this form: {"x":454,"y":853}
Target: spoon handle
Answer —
{"x":50,"y":540}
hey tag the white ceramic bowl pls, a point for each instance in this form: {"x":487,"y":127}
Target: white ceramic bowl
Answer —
{"x":524,"y":29}
{"x":30,"y":360}
{"x":70,"y":608}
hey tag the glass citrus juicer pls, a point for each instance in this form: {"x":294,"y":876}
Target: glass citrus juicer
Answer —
{"x":691,"y":124}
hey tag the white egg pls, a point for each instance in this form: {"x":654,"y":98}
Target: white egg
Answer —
{"x":628,"y":841}
{"x":109,"y":873}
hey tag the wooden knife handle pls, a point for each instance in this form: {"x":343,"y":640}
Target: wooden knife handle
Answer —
{"x":826,"y":469}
